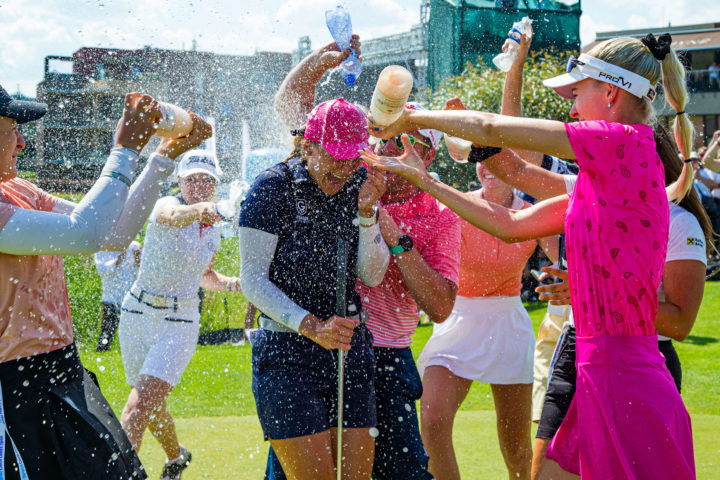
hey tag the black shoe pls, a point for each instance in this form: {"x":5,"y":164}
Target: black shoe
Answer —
{"x":174,"y":468}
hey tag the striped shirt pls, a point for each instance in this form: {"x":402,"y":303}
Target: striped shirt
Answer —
{"x":393,"y":314}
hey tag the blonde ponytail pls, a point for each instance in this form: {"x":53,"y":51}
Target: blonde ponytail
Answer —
{"x":641,"y":57}
{"x":673,"y":78}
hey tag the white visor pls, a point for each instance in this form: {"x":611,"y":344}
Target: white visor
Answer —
{"x":591,"y":67}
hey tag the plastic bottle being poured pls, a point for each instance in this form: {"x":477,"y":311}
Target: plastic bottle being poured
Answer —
{"x":504,"y":60}
{"x":340,"y":26}
{"x":227,"y":208}
{"x":175,"y":121}
{"x":458,"y":148}
{"x":391,"y":94}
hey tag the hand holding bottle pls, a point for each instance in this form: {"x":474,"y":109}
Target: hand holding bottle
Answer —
{"x":507,"y":58}
{"x":174,"y":147}
{"x":138,"y":123}
{"x":340,"y":26}
{"x":331,"y":55}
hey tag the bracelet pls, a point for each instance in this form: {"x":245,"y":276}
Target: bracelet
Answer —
{"x":368,"y":221}
{"x":480,"y":154}
{"x":118,"y":176}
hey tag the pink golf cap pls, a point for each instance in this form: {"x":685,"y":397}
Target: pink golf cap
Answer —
{"x":339,"y":126}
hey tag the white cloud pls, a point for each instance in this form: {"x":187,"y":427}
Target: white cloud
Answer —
{"x":589,"y":27}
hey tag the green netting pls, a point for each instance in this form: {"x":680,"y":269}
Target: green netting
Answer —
{"x":460,"y":31}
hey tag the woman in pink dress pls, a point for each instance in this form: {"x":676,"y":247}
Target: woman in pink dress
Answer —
{"x":632,"y":420}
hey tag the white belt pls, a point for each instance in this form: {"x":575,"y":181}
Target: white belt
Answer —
{"x":160,"y":301}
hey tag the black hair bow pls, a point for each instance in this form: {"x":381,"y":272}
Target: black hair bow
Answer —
{"x":659,"y":46}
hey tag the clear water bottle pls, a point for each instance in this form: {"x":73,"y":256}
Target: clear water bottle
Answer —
{"x":340,"y":26}
{"x":504,"y":60}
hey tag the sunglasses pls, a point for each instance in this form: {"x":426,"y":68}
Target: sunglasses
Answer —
{"x":574,"y":62}
{"x":398,"y":142}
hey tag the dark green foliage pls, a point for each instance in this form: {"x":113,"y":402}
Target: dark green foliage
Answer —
{"x":480,"y":88}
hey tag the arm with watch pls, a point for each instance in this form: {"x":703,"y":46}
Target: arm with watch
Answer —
{"x":433,"y":293}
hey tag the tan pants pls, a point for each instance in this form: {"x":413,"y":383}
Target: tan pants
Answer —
{"x":548,"y":335}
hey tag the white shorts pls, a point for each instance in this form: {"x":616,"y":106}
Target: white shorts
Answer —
{"x":485,"y":339}
{"x":158,"y":342}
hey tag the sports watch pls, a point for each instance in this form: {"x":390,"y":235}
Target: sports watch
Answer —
{"x":405,"y":244}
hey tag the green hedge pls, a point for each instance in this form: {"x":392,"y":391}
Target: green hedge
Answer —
{"x":220,"y":309}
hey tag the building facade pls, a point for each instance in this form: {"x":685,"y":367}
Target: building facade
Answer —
{"x":84,"y":106}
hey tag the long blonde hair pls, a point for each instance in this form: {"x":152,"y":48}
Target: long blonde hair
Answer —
{"x":635,"y":55}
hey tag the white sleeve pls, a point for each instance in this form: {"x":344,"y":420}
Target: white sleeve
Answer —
{"x":86,"y":229}
{"x":105,"y":262}
{"x":373,"y":256}
{"x":570,"y":181}
{"x":143,"y":195}
{"x":686,"y":240}
{"x":257,"y":250}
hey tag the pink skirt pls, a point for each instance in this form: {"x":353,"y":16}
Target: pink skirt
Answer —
{"x":627,"y":420}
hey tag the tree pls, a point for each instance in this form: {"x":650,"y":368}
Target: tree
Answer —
{"x":480,"y":88}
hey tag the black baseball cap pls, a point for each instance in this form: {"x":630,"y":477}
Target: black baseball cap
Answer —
{"x":20,"y":110}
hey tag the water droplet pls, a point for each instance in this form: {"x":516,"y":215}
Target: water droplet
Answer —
{"x":26,"y":383}
{"x":374,"y":432}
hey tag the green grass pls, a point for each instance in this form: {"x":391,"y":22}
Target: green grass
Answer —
{"x":215,"y":412}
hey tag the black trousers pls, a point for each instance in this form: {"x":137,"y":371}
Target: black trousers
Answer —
{"x":60,"y":422}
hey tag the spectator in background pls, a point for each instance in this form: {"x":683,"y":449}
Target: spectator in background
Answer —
{"x":117,"y":272}
{"x":709,"y":155}
{"x":714,"y":75}
{"x":160,"y":318}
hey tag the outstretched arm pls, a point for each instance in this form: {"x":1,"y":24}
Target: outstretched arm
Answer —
{"x":88,"y":226}
{"x":540,"y":220}
{"x":547,"y":136}
{"x":296,"y":96}
{"x":526,"y":176}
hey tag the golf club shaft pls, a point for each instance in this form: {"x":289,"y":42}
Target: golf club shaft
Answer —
{"x":340,"y":311}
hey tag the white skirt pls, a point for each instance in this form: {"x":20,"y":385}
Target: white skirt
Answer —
{"x":485,"y":339}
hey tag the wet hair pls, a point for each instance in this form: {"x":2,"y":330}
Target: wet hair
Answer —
{"x":673,"y":167}
{"x":632,"y":54}
{"x":298,"y":141}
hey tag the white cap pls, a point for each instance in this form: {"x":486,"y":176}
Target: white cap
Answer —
{"x":432,"y":135}
{"x":590,"y":67}
{"x":198,"y":161}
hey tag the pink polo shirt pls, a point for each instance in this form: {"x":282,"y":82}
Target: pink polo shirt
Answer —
{"x":616,"y":229}
{"x":393,"y":314}
{"x":34,"y":308}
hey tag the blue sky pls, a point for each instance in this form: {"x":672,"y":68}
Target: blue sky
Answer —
{"x":36,"y":28}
